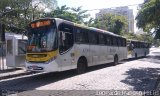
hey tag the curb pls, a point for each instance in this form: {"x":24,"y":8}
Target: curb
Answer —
{"x":15,"y":75}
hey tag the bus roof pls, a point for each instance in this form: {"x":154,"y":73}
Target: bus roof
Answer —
{"x":82,"y":26}
{"x":104,"y":31}
{"x":136,"y":40}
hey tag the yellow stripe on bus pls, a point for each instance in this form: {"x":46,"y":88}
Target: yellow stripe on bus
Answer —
{"x":41,"y":57}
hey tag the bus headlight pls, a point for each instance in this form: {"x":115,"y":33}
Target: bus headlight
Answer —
{"x":50,"y":60}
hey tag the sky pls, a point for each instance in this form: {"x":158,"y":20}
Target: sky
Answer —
{"x":100,"y":4}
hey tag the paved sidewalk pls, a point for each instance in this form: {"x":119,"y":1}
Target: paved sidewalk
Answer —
{"x":9,"y":73}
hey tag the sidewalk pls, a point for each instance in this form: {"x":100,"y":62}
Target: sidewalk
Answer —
{"x":9,"y":73}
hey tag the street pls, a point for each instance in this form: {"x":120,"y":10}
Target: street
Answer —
{"x":137,"y":75}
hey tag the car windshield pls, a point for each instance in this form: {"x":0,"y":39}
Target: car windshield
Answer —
{"x":42,"y":39}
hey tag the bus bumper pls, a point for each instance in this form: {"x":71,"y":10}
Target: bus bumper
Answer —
{"x":42,"y":67}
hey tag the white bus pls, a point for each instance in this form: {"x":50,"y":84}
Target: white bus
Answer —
{"x":137,"y":48}
{"x":58,"y":45}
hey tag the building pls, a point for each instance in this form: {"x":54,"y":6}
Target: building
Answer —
{"x":125,"y":11}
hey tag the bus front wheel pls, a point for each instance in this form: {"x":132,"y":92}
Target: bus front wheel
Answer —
{"x":115,"y":60}
{"x":145,"y":54}
{"x":81,"y":66}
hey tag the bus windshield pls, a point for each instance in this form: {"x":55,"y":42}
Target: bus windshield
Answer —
{"x":42,"y":39}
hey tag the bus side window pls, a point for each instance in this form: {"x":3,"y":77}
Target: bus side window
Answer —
{"x":114,"y":41}
{"x":101,"y":39}
{"x":106,"y":40}
{"x":111,"y":41}
{"x":93,"y":38}
{"x":65,"y":37}
{"x":81,"y":36}
{"x":118,"y":40}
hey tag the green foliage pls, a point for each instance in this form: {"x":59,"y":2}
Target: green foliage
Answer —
{"x":76,"y":15}
{"x":142,"y":37}
{"x":16,"y":14}
{"x":156,"y":42}
{"x":111,"y":22}
{"x":80,"y":14}
{"x":12,"y":13}
{"x":148,"y":17}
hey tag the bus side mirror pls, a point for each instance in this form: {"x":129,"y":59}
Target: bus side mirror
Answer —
{"x":2,"y":32}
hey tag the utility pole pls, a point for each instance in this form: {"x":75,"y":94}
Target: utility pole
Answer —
{"x":2,"y":38}
{"x":2,"y":42}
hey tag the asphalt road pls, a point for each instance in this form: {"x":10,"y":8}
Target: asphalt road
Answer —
{"x":136,"y":75}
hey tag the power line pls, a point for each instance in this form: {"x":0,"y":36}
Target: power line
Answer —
{"x":114,"y":7}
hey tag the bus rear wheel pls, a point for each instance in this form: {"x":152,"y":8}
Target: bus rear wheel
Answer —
{"x":115,"y":60}
{"x":145,"y":54}
{"x":135,"y":55}
{"x":81,"y":66}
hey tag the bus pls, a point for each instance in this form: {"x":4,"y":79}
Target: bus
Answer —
{"x":137,"y":48}
{"x":55,"y":45}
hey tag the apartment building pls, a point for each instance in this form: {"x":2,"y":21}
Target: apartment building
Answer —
{"x":125,"y":11}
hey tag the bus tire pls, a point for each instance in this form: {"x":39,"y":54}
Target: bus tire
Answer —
{"x":81,"y":65}
{"x":135,"y":55}
{"x":145,"y":54}
{"x":115,"y":60}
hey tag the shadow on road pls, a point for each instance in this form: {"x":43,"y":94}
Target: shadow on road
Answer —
{"x":32,"y":82}
{"x":132,"y":59}
{"x":143,"y":78}
{"x":152,"y":59}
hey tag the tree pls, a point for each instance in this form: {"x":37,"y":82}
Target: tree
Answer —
{"x":114,"y":23}
{"x":148,"y":16}
{"x":13,"y":13}
{"x":80,"y":14}
{"x":61,"y":12}
{"x":90,"y":22}
{"x":147,"y":37}
{"x":64,"y":12}
{"x":41,"y":7}
{"x":16,"y":14}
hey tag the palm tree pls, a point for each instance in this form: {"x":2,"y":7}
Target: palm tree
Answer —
{"x":80,"y":14}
